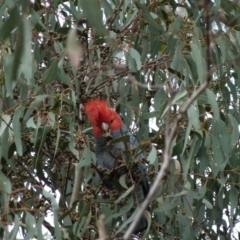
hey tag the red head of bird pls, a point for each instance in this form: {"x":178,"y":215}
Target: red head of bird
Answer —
{"x":101,"y":116}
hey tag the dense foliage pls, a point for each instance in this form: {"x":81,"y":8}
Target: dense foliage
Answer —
{"x":147,"y":58}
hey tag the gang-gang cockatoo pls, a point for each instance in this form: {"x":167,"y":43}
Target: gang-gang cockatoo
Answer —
{"x":111,"y":155}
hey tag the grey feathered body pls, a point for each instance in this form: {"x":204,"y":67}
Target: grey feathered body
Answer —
{"x":110,"y":156}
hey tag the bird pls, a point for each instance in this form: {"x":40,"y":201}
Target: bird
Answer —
{"x":112,"y":153}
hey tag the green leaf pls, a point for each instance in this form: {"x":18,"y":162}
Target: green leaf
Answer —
{"x":186,"y":140}
{"x":107,"y":7}
{"x":197,"y":195}
{"x":62,"y":76}
{"x":150,"y":115}
{"x":30,"y":225}
{"x":55,"y":207}
{"x":51,"y":119}
{"x":207,"y":203}
{"x":122,"y":181}
{"x":99,"y":41}
{"x":176,"y":64}
{"x":145,"y":49}
{"x":123,"y":211}
{"x":173,"y":39}
{"x":160,"y":101}
{"x":152,"y":156}
{"x":90,"y":9}
{"x":187,"y":162}
{"x":34,"y":104}
{"x":39,"y":224}
{"x":124,"y":139}
{"x":193,"y":116}
{"x":87,"y":221}
{"x":9,"y":83}
{"x":14,"y":232}
{"x":57,"y":141}
{"x":168,"y":205}
{"x":10,"y":24}
{"x":199,"y":61}
{"x":219,"y":161}
{"x":233,"y":198}
{"x":234,"y":137}
{"x":38,"y":138}
{"x":31,"y":124}
{"x":86,"y":158}
{"x":84,"y":210}
{"x":19,"y":51}
{"x":18,"y":129}
{"x":38,"y":99}
{"x":36,"y":18}
{"x":51,"y":73}
{"x":131,"y":62}
{"x":151,"y":21}
{"x":71,"y":8}
{"x":5,"y":189}
{"x":220,"y":131}
{"x":213,"y":102}
{"x":4,"y":123}
{"x":177,"y":98}
{"x":180,"y":94}
{"x":233,"y":91}
{"x":26,"y":59}
{"x":135,"y":55}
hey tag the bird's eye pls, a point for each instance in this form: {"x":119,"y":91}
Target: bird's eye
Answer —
{"x":111,"y":121}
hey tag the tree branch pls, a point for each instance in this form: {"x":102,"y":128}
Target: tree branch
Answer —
{"x":171,"y":134}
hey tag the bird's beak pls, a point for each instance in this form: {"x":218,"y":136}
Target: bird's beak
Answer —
{"x":106,"y":131}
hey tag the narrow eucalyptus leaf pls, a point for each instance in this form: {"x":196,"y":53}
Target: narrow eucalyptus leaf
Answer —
{"x":177,"y":60}
{"x":15,"y":230}
{"x":207,"y":203}
{"x":10,"y":24}
{"x":151,"y":158}
{"x":122,"y":181}
{"x":220,"y":131}
{"x":9,"y":83}
{"x":219,"y":161}
{"x":199,"y":61}
{"x":146,"y":14}
{"x":233,"y":197}
{"x":57,"y":231}
{"x":131,"y":62}
{"x":193,"y":116}
{"x":135,"y":55}
{"x":17,"y":128}
{"x":214,"y":104}
{"x":30,"y":225}
{"x":5,"y":189}
{"x":124,"y":139}
{"x":57,"y":141}
{"x":91,"y":8}
{"x":30,"y":123}
{"x":86,"y":158}
{"x":26,"y":60}
{"x":39,"y":228}
{"x":5,"y":120}
{"x":51,"y":73}
{"x":234,"y":137}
